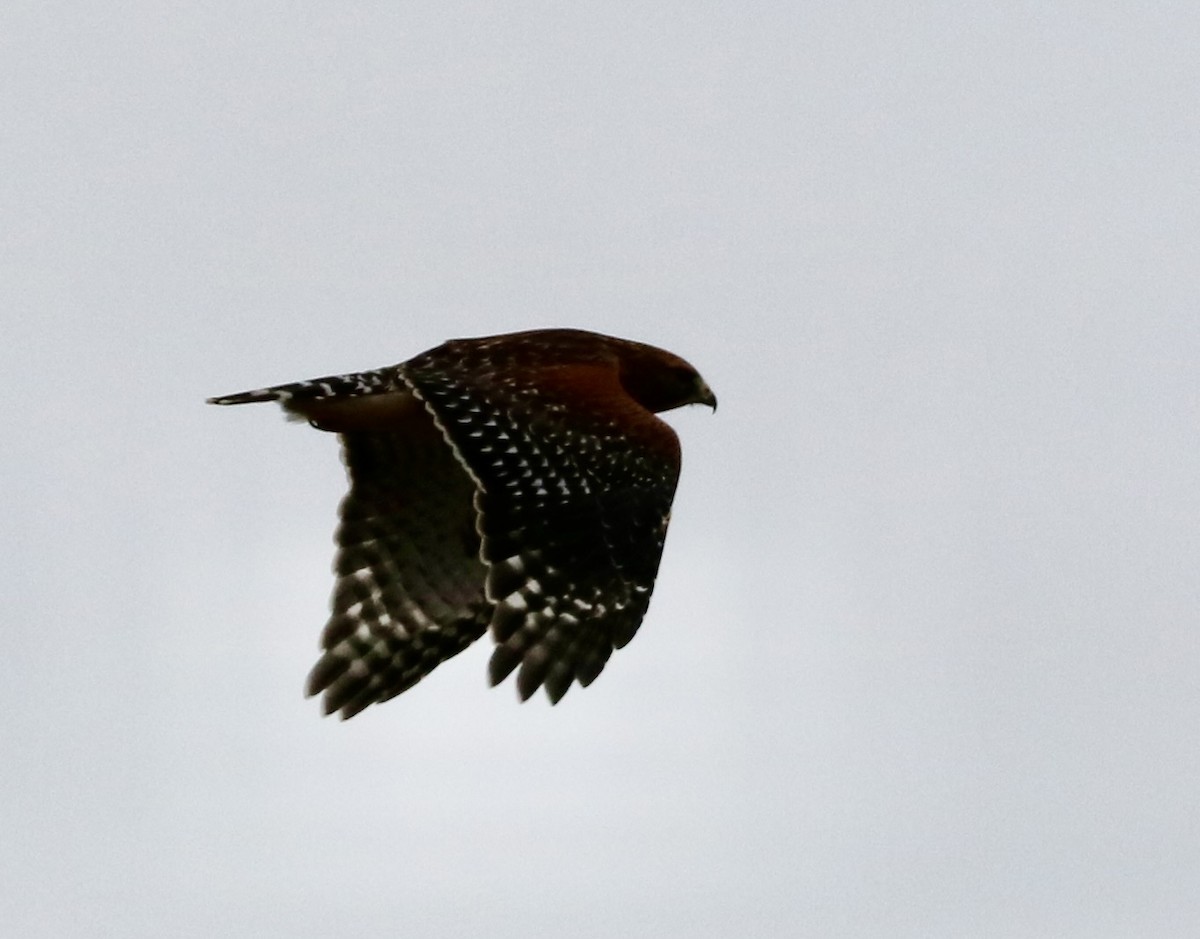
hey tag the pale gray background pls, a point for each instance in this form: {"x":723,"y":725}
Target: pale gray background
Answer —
{"x":923,"y":657}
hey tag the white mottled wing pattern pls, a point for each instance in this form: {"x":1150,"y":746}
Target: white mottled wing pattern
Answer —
{"x":576,"y":482}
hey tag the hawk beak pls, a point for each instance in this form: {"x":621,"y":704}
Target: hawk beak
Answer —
{"x":704,"y":395}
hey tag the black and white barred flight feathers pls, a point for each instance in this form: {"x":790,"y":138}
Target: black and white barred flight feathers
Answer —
{"x":519,"y":482}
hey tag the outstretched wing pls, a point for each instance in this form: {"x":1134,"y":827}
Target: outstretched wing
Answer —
{"x":409,"y":591}
{"x":575,"y":483}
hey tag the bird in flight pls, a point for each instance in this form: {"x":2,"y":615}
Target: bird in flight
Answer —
{"x":519,"y":483}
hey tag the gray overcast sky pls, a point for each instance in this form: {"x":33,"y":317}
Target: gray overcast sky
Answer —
{"x":922,"y":660}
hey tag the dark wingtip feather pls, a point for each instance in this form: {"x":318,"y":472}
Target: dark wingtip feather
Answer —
{"x":558,"y":681}
{"x":534,"y":668}
{"x":346,"y":692}
{"x":589,"y":669}
{"x":329,"y":668}
{"x":502,"y":663}
{"x":357,"y":705}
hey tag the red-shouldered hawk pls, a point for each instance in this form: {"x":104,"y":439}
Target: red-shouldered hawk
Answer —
{"x":519,"y":482}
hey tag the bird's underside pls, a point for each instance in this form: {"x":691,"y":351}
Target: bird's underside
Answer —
{"x":533,"y":502}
